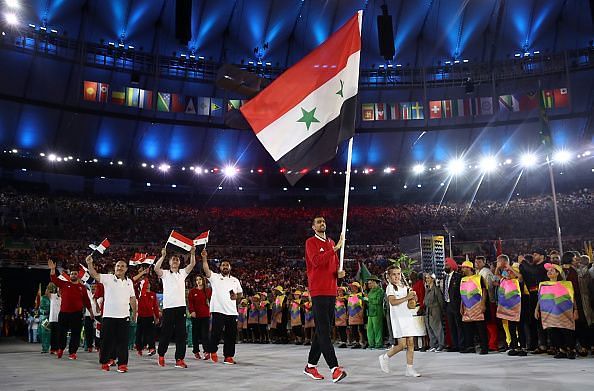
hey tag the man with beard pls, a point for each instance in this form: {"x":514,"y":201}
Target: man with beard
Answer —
{"x":174,"y":306}
{"x":74,"y":297}
{"x":533,"y":274}
{"x":452,"y":299}
{"x":226,"y":290}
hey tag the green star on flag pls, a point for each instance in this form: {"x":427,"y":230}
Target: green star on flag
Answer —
{"x":308,"y":117}
{"x":339,"y":92}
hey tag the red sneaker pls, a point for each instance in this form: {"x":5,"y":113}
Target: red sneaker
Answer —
{"x":229,"y":361}
{"x":139,"y":352}
{"x":180,"y":364}
{"x":105,"y":367}
{"x":197,"y":356}
{"x":206,"y":356}
{"x":72,"y":356}
{"x":338,"y":374}
{"x":214,"y":357}
{"x":152,"y":352}
{"x":111,"y":363}
{"x":161,"y":361}
{"x":122,"y":368}
{"x":60,"y":353}
{"x":313,"y":373}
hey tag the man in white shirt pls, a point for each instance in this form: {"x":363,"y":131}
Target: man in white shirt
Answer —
{"x":226,"y":291}
{"x":119,"y":297}
{"x":174,"y":306}
{"x":55,"y":302}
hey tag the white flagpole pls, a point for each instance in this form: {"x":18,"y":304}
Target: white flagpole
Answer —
{"x":347,"y":188}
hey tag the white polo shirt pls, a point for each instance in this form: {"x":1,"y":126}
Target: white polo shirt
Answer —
{"x":55,"y":303}
{"x":174,"y":288}
{"x":117,"y":296}
{"x":221,"y":301}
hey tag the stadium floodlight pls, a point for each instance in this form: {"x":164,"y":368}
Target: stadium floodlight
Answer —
{"x":528,"y":160}
{"x":229,"y":171}
{"x":456,"y":167}
{"x":418,"y":169}
{"x":488,"y":164}
{"x":164,"y":167}
{"x":562,"y":156}
{"x":52,"y":157}
{"x":11,"y":19}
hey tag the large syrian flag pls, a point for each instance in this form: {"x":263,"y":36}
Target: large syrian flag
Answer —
{"x":304,"y":115}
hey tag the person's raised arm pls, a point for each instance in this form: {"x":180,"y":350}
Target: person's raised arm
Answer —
{"x":140,"y":274}
{"x":52,"y":265}
{"x":189,"y":268}
{"x":159,"y":263}
{"x":205,"y":267}
{"x":92,"y":272}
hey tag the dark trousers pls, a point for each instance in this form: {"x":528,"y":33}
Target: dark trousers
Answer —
{"x":455,"y":325}
{"x":199,"y":334}
{"x":514,"y":330}
{"x":356,"y":332}
{"x":174,"y":319}
{"x":321,"y":344}
{"x":54,"y":333}
{"x":145,"y":332}
{"x":582,"y":332}
{"x":538,"y":336}
{"x":114,"y":333}
{"x":90,"y":333}
{"x":69,"y":321}
{"x":226,"y":326}
{"x":562,"y":338}
{"x":471,"y":329}
{"x":342,"y":333}
{"x":255,"y":331}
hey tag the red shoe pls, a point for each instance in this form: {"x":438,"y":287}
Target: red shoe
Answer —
{"x":122,"y":368}
{"x":197,"y":356}
{"x":60,"y":353}
{"x":214,"y":357}
{"x":111,"y":363}
{"x":72,"y":356}
{"x":229,"y":361}
{"x":338,"y":374}
{"x":90,"y":350}
{"x":180,"y":364}
{"x":206,"y":356}
{"x":313,"y":373}
{"x":139,"y":352}
{"x":152,"y":352}
{"x":161,"y":361}
{"x":105,"y":367}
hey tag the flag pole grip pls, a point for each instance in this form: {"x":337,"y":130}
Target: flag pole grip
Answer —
{"x":347,"y":188}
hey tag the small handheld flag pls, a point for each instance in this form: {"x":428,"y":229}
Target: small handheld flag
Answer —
{"x":180,"y":241}
{"x":202,"y":238}
{"x":104,"y":245}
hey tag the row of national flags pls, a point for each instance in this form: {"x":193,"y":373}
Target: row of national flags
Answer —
{"x":160,"y":101}
{"x":466,"y":107}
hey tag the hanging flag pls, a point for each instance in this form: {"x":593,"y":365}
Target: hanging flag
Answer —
{"x":180,"y":241}
{"x":145,"y":99}
{"x":508,"y":103}
{"x":177,"y":103}
{"x":380,"y":111}
{"x":202,"y":238}
{"x":434,"y":109}
{"x":304,"y":115}
{"x":233,"y":104}
{"x":118,"y":97}
{"x":548,"y":98}
{"x":132,"y":95}
{"x":163,"y":101}
{"x":528,"y":101}
{"x":367,"y":112}
{"x":203,"y":106}
{"x":486,"y":106}
{"x":103,"y":91}
{"x":216,"y":107}
{"x":394,"y":112}
{"x":545,"y":129}
{"x":104,"y":245}
{"x":459,"y":108}
{"x":405,"y":112}
{"x":190,"y":105}
{"x":90,"y":91}
{"x":446,"y":109}
{"x":417,"y":111}
{"x":560,"y":97}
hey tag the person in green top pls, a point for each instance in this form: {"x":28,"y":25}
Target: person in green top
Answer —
{"x":44,"y":309}
{"x":375,"y":314}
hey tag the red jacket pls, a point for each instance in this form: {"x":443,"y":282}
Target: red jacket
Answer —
{"x":148,"y":305}
{"x":419,"y":288}
{"x":74,"y":296}
{"x":322,"y":266}
{"x":198,"y":302}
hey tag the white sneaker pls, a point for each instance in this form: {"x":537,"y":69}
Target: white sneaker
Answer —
{"x":384,"y":363}
{"x":410,"y":372}
{"x":432,"y":349}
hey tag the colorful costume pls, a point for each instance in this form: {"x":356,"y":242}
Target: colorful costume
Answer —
{"x":375,"y":318}
{"x":44,"y":326}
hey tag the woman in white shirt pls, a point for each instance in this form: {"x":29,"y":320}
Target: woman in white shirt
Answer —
{"x":403,"y":325}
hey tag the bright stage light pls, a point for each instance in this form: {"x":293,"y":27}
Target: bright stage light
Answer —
{"x":11,"y":19}
{"x":229,"y":171}
{"x":488,"y":164}
{"x":14,"y":4}
{"x":164,"y":167}
{"x":51,"y":157}
{"x":528,"y":160}
{"x":562,"y":156}
{"x":456,"y":167}
{"x":418,"y":169}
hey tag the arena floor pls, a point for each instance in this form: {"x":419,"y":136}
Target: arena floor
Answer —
{"x":274,"y":367}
